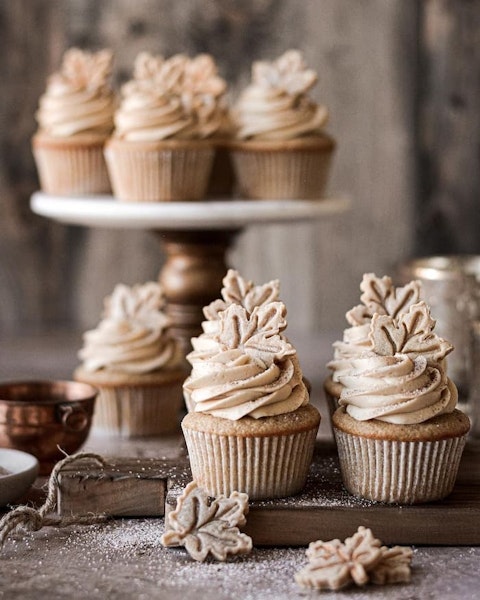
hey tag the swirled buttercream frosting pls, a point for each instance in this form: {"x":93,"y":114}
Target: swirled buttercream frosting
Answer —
{"x":396,"y":389}
{"x":379,"y":296}
{"x":401,"y":379}
{"x":175,"y":98}
{"x":276,"y":106}
{"x":247,"y":368}
{"x":131,"y":338}
{"x":78,"y":98}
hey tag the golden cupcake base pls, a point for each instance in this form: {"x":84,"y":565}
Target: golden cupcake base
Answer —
{"x":404,"y":464}
{"x":283,"y":170}
{"x":71,"y":166}
{"x":266,"y":458}
{"x":136,"y":406}
{"x":163,"y":171}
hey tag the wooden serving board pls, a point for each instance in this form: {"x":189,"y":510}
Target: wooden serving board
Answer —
{"x":324,"y":510}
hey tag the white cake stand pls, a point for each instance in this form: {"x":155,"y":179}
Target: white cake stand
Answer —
{"x":194,"y":235}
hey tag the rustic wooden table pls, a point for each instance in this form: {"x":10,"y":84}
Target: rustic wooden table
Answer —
{"x":124,"y":558}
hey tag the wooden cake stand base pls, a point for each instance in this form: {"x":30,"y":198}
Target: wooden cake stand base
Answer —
{"x":192,"y":276}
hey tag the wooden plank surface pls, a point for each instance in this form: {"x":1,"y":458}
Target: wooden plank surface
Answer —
{"x":324,"y":510}
{"x":126,"y":488}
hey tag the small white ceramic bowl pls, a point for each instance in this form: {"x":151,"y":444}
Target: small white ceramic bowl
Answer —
{"x":22,"y":468}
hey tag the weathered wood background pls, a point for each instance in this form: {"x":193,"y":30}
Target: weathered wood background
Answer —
{"x":401,"y":79}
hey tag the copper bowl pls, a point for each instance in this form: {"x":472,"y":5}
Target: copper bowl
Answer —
{"x":45,"y":417}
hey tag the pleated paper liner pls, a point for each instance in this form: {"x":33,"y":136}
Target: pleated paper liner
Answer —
{"x":295,"y":169}
{"x":138,"y":412}
{"x":404,"y":471}
{"x":270,"y":464}
{"x":134,"y":405}
{"x":171,"y":170}
{"x":71,"y":166}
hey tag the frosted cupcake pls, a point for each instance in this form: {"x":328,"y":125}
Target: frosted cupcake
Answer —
{"x":135,"y":365}
{"x":161,"y":149}
{"x":399,"y":436}
{"x":379,"y":296}
{"x":252,"y":428}
{"x":282,"y":150}
{"x":75,"y":117}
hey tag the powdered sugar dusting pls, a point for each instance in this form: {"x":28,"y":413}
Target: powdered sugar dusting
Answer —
{"x":324,"y":487}
{"x":124,"y":559}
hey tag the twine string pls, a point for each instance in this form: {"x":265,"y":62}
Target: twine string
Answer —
{"x":31,"y":519}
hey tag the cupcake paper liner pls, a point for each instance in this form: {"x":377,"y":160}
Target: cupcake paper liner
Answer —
{"x":135,"y":411}
{"x":71,"y":169}
{"x":282,"y":174}
{"x":404,"y":472}
{"x":263,"y":467}
{"x":155,"y":173}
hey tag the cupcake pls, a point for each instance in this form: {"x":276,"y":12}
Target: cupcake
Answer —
{"x":399,"y":436}
{"x":252,"y":428}
{"x":135,"y":365}
{"x":161,"y":149}
{"x":379,"y":296}
{"x":75,"y":117}
{"x":236,"y":290}
{"x":281,"y":150}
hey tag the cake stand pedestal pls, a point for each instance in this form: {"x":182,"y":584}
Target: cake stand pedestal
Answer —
{"x":195,"y":237}
{"x":192,"y":276}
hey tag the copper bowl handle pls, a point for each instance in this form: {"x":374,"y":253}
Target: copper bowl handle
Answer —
{"x":73,"y":417}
